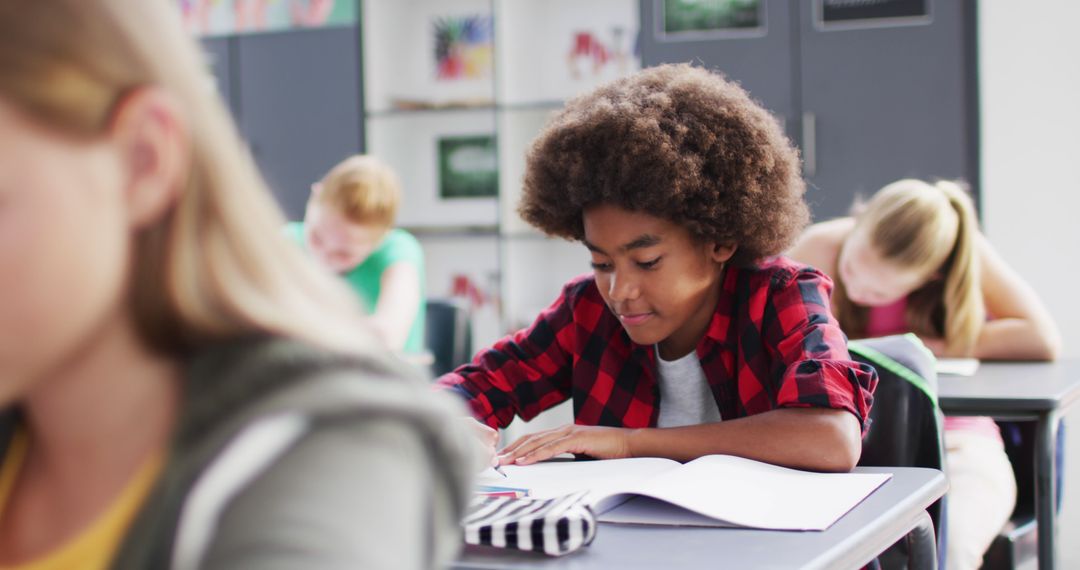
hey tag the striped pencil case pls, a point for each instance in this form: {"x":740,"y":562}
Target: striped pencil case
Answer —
{"x":551,"y":526}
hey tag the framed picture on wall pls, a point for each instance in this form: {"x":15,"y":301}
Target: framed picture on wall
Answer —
{"x":553,"y":50}
{"x":446,"y":160}
{"x":709,"y":19}
{"x":464,"y":47}
{"x":468,"y":167}
{"x":851,"y":14}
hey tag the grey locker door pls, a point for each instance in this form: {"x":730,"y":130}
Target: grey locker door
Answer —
{"x":886,"y":101}
{"x":762,"y":62}
{"x":299,"y":106}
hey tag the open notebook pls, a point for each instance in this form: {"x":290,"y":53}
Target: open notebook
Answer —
{"x":715,"y":490}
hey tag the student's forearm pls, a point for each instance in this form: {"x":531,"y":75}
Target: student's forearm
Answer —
{"x":392,"y":332}
{"x":398,"y":304}
{"x":812,"y":438}
{"x":1017,"y":339}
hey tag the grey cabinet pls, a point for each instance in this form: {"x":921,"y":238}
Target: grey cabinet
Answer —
{"x":299,"y":106}
{"x":295,"y":96}
{"x":762,"y":61}
{"x":868,"y":102}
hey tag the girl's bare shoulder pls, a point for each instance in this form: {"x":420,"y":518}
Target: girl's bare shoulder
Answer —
{"x":819,"y":246}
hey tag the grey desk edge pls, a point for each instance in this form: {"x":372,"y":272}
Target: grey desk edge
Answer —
{"x":1001,"y":389}
{"x":886,"y":516}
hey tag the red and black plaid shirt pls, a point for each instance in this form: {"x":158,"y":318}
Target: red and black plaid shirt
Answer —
{"x":772,"y":343}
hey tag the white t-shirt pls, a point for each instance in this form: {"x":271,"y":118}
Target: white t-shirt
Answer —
{"x":685,"y":396}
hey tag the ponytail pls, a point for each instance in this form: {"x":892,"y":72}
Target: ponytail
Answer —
{"x":930,"y":229}
{"x":965,"y":309}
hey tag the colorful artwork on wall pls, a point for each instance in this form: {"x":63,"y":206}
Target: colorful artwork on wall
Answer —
{"x":468,"y":167}
{"x":463,"y":47}
{"x":229,"y":17}
{"x":593,"y":52}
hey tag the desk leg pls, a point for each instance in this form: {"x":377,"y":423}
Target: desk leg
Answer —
{"x":1045,"y":502}
{"x":922,"y":544}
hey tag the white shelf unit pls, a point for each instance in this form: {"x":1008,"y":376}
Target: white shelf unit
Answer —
{"x":543,"y":53}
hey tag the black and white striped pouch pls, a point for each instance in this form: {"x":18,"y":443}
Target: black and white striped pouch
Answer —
{"x":551,"y":526}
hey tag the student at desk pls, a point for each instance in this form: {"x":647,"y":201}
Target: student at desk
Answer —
{"x":913,"y":259}
{"x":348,"y":229}
{"x":689,"y":338}
{"x":179,"y":388}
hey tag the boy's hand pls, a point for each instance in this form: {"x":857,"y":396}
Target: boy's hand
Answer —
{"x":488,"y":439}
{"x":594,"y":441}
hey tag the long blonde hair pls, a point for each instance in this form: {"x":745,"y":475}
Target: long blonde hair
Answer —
{"x":217,"y":266}
{"x":930,"y":229}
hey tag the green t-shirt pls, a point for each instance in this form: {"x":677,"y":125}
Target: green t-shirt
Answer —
{"x":366,"y":278}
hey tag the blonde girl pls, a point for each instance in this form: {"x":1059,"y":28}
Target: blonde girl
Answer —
{"x":179,"y":388}
{"x":913,"y":259}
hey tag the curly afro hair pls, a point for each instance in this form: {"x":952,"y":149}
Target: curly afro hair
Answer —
{"x":673,"y":141}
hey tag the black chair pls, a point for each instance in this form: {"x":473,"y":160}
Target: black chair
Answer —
{"x":448,"y":334}
{"x":905,"y":431}
{"x":1018,"y":543}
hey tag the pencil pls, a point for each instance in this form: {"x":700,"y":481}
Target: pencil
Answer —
{"x":485,"y":489}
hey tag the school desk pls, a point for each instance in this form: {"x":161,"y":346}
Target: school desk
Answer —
{"x":887,"y":515}
{"x":1039,"y":391}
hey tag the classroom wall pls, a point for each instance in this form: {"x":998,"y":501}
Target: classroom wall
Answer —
{"x":1029,"y":81}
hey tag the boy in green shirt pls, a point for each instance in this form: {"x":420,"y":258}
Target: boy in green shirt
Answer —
{"x":348,"y":228}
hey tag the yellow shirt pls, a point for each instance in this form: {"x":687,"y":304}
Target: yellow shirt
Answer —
{"x":95,"y":546}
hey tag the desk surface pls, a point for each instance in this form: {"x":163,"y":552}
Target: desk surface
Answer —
{"x":1012,"y":387}
{"x":871,"y":527}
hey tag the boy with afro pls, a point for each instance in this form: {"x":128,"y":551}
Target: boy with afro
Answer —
{"x":690,"y":337}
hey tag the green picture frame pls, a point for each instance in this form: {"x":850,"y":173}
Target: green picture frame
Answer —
{"x":710,"y":17}
{"x":468,"y":166}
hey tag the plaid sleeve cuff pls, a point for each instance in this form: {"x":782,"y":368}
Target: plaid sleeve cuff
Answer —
{"x":832,"y":384}
{"x":478,"y":404}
